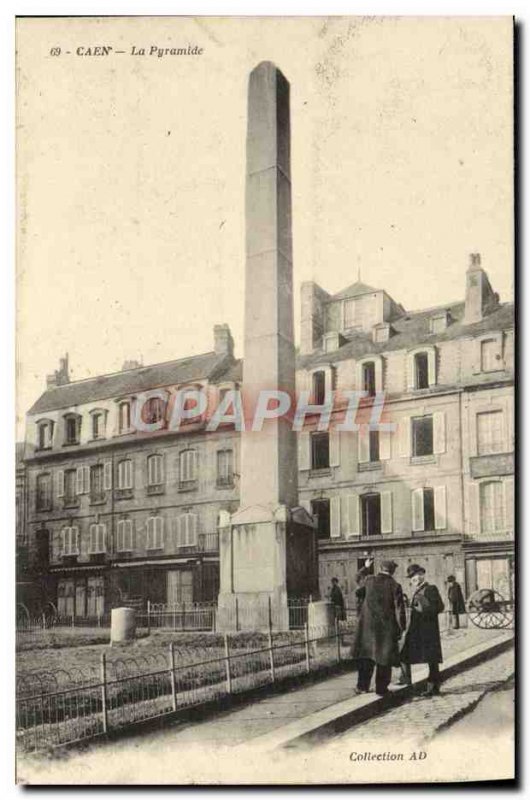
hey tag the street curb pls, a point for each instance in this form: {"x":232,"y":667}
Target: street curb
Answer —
{"x":342,"y":716}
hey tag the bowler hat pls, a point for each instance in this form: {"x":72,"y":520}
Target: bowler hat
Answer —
{"x":414,"y":569}
{"x":451,"y":579}
{"x":389,"y":566}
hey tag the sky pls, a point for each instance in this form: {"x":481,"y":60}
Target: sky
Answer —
{"x":131,"y":174}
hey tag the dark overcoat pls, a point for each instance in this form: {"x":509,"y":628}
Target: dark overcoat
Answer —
{"x":456,"y":598}
{"x":422,"y":641}
{"x":381,"y":621}
{"x":336,"y":597}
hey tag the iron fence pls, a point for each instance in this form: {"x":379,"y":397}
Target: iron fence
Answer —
{"x":62,"y":707}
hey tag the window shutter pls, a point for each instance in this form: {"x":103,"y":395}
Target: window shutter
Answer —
{"x":418,"y":523}
{"x":351,"y":515}
{"x":386,"y":512}
{"x":410,"y":371}
{"x":364,"y":444}
{"x":440,"y":508}
{"x":438,"y":425}
{"x":334,"y":448}
{"x":474,"y":507}
{"x":86,"y":480}
{"x":384,"y":445}
{"x":431,"y":367}
{"x":508,"y":504}
{"x":335,"y":516}
{"x":75,"y":538}
{"x":304,"y":450}
{"x":60,"y":483}
{"x":107,"y":475}
{"x":79,"y":480}
{"x":404,"y":437}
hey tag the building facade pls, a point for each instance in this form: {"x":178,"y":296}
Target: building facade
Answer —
{"x":118,"y":515}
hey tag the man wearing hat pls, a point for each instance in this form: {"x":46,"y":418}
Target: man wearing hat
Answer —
{"x":381,"y":622}
{"x":456,"y":600}
{"x":337,"y":599}
{"x":422,"y":641}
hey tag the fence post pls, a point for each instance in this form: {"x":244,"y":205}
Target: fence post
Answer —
{"x":227,"y":662}
{"x":337,"y":636}
{"x":43,"y":620}
{"x":183,"y":615}
{"x":172,"y":665}
{"x":237,"y":614}
{"x":73,"y":621}
{"x":271,"y":654}
{"x":306,"y":640}
{"x":104,"y":692}
{"x":148,"y":617}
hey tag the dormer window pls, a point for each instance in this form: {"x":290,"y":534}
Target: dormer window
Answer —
{"x":98,"y":424}
{"x":439,"y":322}
{"x":421,"y":371}
{"x":72,"y":428}
{"x":421,"y":368}
{"x":489,"y":359}
{"x":44,"y":434}
{"x":124,"y":417}
{"x":153,"y":410}
{"x":381,"y":333}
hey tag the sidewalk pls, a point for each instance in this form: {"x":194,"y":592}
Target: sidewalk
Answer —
{"x":297,"y":717}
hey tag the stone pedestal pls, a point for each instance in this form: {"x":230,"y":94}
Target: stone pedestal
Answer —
{"x":321,"y":617}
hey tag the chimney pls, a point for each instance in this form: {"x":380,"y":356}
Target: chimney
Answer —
{"x":131,"y":364}
{"x":60,"y":376}
{"x":223,"y":342}
{"x":480,"y":297}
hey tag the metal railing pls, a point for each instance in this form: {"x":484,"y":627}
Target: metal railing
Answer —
{"x":66,"y":706}
{"x":179,"y":616}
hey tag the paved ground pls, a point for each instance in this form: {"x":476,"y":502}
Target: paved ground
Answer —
{"x":217,"y":749}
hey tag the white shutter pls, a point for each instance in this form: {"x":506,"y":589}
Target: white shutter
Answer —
{"x":384,"y":445}
{"x":75,"y":538}
{"x":404,"y":436}
{"x":418,"y":523}
{"x":508,"y":504}
{"x":335,"y":516}
{"x":304,"y":450}
{"x":386,"y":512}
{"x":60,"y":483}
{"x":79,"y":480}
{"x":86,"y":480}
{"x":364,"y":444}
{"x":410,"y":371}
{"x":431,"y":367}
{"x":107,"y":475}
{"x":440,"y":508}
{"x":438,"y":425}
{"x":350,"y":518}
{"x":334,"y":448}
{"x":473,"y":507}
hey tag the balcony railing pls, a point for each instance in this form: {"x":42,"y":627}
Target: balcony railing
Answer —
{"x":206,"y":543}
{"x":490,"y":536}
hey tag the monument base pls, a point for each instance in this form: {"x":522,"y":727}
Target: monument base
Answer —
{"x":252,"y":611}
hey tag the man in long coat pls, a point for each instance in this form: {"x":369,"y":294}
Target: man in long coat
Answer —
{"x":456,"y":600}
{"x":422,"y":643}
{"x":381,"y":623}
{"x":337,"y":599}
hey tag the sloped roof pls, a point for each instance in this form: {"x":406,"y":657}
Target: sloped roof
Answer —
{"x":354,"y":290}
{"x":118,"y":384}
{"x":413,"y":329}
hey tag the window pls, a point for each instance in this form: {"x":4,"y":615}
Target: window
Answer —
{"x":70,"y":537}
{"x":319,"y":387}
{"x":98,"y":533}
{"x":349,"y":313}
{"x":124,"y":417}
{"x":44,"y":492}
{"x":489,"y":359}
{"x":439,"y":323}
{"x":319,"y":451}
{"x":98,"y":425}
{"x":491,"y":507}
{"x":153,"y":410}
{"x":421,"y":371}
{"x":371,"y":514}
{"x":187,"y":467}
{"x":320,"y":509}
{"x":125,"y":535}
{"x":70,"y":484}
{"x":125,"y":474}
{"x":422,"y":436}
{"x":186,"y":530}
{"x":72,"y":429}
{"x":368,"y":378}
{"x":374,"y":445}
{"x":429,"y":512}
{"x":45,"y":435}
{"x":155,"y":533}
{"x":225,"y":468}
{"x":490,"y":435}
{"x":155,"y":470}
{"x":96,"y":482}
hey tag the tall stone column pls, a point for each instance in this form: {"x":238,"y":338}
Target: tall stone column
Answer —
{"x":268,"y":544}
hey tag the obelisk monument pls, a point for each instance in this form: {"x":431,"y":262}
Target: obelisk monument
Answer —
{"x":268,"y":546}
